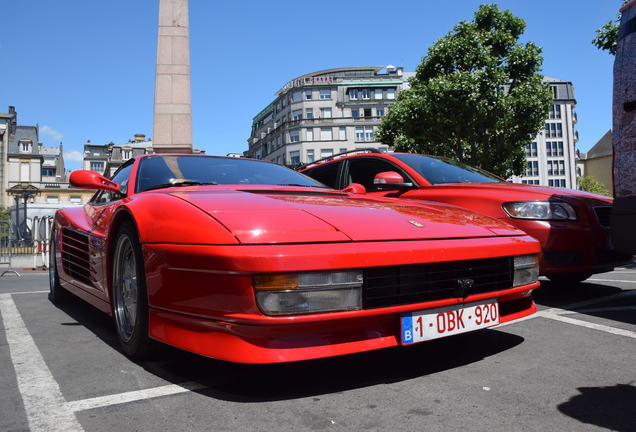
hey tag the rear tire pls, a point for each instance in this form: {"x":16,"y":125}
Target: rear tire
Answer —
{"x":569,"y":278}
{"x":57,"y":294}
{"x":129,"y":295}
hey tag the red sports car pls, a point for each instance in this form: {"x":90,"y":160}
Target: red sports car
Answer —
{"x":572,"y":226}
{"x":251,"y":262}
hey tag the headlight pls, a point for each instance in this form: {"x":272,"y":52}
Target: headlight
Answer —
{"x":309,"y":292}
{"x":526,"y":269}
{"x":540,"y":210}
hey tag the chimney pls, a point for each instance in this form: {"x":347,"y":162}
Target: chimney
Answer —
{"x":140,"y":137}
{"x":11,"y":109}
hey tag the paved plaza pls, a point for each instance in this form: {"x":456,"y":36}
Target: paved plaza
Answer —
{"x":570,"y":367}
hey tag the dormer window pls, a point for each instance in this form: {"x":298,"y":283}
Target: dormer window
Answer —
{"x":25,"y":146}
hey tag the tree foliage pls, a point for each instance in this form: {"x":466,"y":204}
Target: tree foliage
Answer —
{"x":477,"y":96}
{"x":607,"y":36}
{"x":590,"y":184}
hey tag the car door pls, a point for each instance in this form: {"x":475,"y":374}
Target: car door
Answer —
{"x":99,"y":212}
{"x":363,"y":169}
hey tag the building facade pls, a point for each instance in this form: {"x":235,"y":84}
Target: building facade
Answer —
{"x":324,"y":113}
{"x":598,"y":161}
{"x":106,"y":158}
{"x":551,"y":157}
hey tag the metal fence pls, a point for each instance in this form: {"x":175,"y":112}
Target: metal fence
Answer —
{"x":31,"y":253}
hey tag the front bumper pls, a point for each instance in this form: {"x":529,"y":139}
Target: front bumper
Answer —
{"x":201,"y":297}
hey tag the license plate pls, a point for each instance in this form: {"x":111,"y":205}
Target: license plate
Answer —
{"x":436,"y":323}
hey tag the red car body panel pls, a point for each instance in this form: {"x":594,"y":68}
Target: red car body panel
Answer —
{"x":583,"y":240}
{"x":201,"y":246}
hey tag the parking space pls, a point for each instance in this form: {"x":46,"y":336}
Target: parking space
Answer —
{"x":569,"y":367}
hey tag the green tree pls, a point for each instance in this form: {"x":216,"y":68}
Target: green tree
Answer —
{"x":607,"y":36}
{"x":590,"y":184}
{"x":477,"y":96}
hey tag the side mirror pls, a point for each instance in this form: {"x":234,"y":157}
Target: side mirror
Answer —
{"x":355,"y":188}
{"x":86,"y":179}
{"x":390,"y":180}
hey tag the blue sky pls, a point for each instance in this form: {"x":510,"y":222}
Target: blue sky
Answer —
{"x":84,"y":69}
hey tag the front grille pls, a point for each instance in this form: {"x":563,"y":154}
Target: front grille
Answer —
{"x":75,"y":256}
{"x":603,"y":215}
{"x":397,"y":285}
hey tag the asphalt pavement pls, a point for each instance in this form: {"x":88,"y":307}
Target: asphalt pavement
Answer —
{"x":570,"y":367}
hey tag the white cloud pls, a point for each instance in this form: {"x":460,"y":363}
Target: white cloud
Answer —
{"x":73,"y":156}
{"x":51,"y":133}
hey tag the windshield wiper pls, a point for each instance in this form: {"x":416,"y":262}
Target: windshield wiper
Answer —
{"x":180,"y":184}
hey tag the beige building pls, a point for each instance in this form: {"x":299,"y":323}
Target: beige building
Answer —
{"x":597,"y":162}
{"x":324,"y":113}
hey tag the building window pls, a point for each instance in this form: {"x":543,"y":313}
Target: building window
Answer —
{"x":48,"y":172}
{"x":309,"y":113}
{"x":343,"y":150}
{"x":553,"y":130}
{"x":325,"y":134}
{"x":379,"y":112}
{"x":366,"y":93}
{"x":561,"y":167}
{"x":297,"y":115}
{"x":555,"y":111}
{"x":97,"y":166}
{"x":554,"y":91}
{"x":325,"y":94}
{"x":25,"y":146}
{"x":550,"y":168}
{"x":355,"y":112}
{"x":368,"y":134}
{"x":76,"y":199}
{"x":560,"y":147}
{"x":533,"y":168}
{"x":342,"y":133}
{"x":378,"y":93}
{"x":324,"y":153}
{"x":551,"y":182}
{"x":309,"y":134}
{"x":325,"y":112}
{"x":531,"y":150}
{"x":296,"y":96}
{"x":294,"y":157}
{"x":52,"y":199}
{"x":390,"y":93}
{"x":359,"y":134}
{"x":367,"y":112}
{"x":562,"y":181}
{"x":126,"y":154}
{"x":294,"y":136}
{"x":310,"y":156}
{"x":353,"y":94}
{"x":25,"y":172}
{"x":308,"y":95}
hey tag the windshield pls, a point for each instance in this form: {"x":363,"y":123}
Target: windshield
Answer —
{"x":167,"y":171}
{"x":440,"y":171}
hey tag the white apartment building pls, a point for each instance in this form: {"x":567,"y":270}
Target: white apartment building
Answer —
{"x":324,"y":113}
{"x":551,"y":157}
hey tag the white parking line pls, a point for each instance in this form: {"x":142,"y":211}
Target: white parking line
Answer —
{"x":131,"y":396}
{"x":26,"y":292}
{"x":43,"y":401}
{"x":581,"y":323}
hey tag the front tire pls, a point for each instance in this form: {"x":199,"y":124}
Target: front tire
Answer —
{"x":569,"y":278}
{"x":129,"y":295}
{"x":57,"y":294}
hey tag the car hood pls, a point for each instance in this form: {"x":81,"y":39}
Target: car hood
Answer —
{"x":523,"y":192}
{"x":261,"y":216}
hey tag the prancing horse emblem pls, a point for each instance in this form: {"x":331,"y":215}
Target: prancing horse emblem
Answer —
{"x":417,"y":224}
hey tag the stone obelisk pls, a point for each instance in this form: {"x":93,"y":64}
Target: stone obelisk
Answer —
{"x":173,"y":99}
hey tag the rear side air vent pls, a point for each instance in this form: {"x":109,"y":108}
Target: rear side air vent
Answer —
{"x":75,"y":256}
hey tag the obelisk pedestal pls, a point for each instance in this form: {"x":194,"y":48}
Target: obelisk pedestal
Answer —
{"x":173,"y":99}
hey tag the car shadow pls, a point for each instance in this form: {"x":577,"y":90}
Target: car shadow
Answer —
{"x":611,"y":408}
{"x":555,"y":295}
{"x":313,"y":378}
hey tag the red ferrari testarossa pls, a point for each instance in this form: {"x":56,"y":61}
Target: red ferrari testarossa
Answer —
{"x":248,"y":261}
